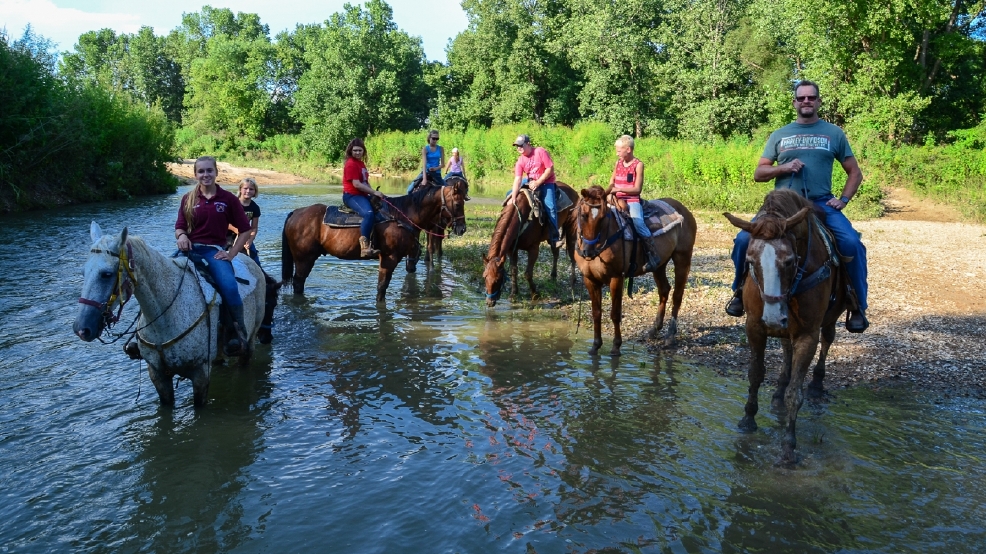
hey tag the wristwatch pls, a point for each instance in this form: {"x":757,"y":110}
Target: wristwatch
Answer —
{"x":844,"y":199}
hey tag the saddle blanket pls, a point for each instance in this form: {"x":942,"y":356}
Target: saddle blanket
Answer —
{"x":562,"y":201}
{"x":342,"y":217}
{"x":659,"y":217}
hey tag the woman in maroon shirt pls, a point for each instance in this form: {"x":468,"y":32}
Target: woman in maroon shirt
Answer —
{"x":205,"y":215}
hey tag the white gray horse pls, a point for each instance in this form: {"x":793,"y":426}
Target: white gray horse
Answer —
{"x":177,"y":332}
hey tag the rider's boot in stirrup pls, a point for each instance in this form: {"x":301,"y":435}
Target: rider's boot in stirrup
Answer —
{"x":653,"y":257}
{"x":365,"y":250}
{"x":237,"y":343}
{"x":735,"y":305}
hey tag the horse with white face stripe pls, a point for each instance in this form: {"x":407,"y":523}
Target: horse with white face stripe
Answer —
{"x":795,"y":290}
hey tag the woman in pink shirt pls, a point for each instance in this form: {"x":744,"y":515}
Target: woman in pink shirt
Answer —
{"x":627,"y":183}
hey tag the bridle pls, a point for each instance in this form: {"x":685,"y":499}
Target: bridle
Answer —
{"x":585,"y":244}
{"x":124,"y":289}
{"x":452,"y":218}
{"x":800,"y":283}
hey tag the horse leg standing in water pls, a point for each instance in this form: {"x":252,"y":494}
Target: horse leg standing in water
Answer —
{"x":517,"y":230}
{"x":795,"y":292}
{"x":604,"y":258}
{"x":177,"y":330}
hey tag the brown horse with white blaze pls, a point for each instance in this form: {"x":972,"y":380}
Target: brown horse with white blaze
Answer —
{"x":305,"y":238}
{"x":795,"y":291}
{"x":516,"y":229}
{"x":605,"y":257}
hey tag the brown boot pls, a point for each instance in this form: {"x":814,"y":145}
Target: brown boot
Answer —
{"x":365,"y":250}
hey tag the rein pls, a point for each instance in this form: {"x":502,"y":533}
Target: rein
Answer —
{"x":444,"y":207}
{"x":800,"y":284}
{"x":585,"y":243}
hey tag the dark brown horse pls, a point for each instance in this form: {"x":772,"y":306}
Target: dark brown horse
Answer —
{"x":604,"y":257}
{"x":435,"y":235}
{"x":516,"y":230}
{"x":305,"y":238}
{"x":795,"y":292}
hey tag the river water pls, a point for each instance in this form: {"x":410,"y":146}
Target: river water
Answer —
{"x":435,"y":425}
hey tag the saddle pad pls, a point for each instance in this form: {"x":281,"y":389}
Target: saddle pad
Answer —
{"x":244,"y":279}
{"x":335,"y":217}
{"x":660,"y":217}
{"x":562,"y":201}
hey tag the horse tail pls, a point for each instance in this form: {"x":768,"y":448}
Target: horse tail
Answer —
{"x":287,"y":260}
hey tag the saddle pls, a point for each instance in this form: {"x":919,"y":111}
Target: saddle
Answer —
{"x":659,"y":216}
{"x":562,"y":203}
{"x":341,"y":217}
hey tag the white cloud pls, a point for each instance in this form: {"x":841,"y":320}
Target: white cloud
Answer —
{"x":62,"y":25}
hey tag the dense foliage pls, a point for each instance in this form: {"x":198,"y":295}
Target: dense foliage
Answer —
{"x":905,"y":77}
{"x":64,"y":140}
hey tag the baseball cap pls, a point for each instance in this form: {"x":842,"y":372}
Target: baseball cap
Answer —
{"x":455,"y":150}
{"x":521,"y":140}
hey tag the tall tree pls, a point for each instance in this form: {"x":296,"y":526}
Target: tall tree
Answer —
{"x":363,"y":76}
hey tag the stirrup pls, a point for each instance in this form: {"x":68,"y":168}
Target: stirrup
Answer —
{"x":735,"y":306}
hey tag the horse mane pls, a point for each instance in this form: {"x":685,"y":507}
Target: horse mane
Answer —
{"x":595,"y":192}
{"x":415,"y":198}
{"x":771,"y":220}
{"x":504,"y":231}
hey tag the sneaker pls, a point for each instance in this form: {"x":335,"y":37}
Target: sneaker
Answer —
{"x":735,"y":307}
{"x":856,"y":322}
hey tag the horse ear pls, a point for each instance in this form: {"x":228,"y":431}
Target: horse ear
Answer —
{"x":584,"y":193}
{"x":95,"y":233}
{"x":797,"y":218}
{"x":123,"y":236}
{"x":486,"y":259}
{"x":500,"y":260}
{"x":737,"y":222}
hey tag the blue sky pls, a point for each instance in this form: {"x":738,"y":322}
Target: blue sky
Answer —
{"x":435,"y":21}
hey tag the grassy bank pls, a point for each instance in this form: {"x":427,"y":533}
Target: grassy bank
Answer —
{"x":713,"y":176}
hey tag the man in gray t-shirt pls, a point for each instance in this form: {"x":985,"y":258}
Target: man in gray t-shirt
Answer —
{"x":800,"y":157}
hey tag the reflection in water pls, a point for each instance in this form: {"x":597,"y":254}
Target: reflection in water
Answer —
{"x":434,"y":425}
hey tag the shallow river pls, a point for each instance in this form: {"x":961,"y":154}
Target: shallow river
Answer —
{"x":435,"y":425}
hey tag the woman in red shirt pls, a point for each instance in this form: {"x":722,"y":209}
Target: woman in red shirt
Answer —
{"x":356,"y":192}
{"x":627,"y":183}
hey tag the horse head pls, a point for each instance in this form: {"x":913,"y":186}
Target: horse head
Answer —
{"x":591,"y":213}
{"x":495,"y":277}
{"x":265,"y":335}
{"x":108,"y":283}
{"x":454,"y":197}
{"x":774,"y":264}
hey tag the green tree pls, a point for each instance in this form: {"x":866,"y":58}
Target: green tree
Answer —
{"x":510,"y":65}
{"x":362,"y":75}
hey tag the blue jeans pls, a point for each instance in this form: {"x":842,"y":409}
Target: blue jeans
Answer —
{"x":221,"y":272}
{"x":846,"y":239}
{"x":550,"y":204}
{"x":254,"y":255}
{"x":637,"y":216}
{"x":434,"y":177}
{"x":361,"y":205}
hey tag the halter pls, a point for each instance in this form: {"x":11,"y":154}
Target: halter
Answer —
{"x":585,"y":243}
{"x":799,"y":285}
{"x":125,"y":284}
{"x":494,"y":294}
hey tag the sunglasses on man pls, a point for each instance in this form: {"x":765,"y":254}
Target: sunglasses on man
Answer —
{"x":810,"y":98}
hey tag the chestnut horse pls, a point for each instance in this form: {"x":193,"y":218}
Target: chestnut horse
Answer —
{"x":604,"y":257}
{"x":516,"y":230}
{"x":305,"y":238}
{"x":796,"y":292}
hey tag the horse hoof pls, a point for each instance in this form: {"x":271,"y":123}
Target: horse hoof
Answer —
{"x":615,"y":352}
{"x":747,"y":425}
{"x":815,"y":393}
{"x":594,"y":351}
{"x":788,"y":460}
